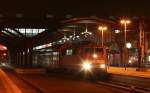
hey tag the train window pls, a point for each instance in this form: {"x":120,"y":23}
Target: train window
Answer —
{"x":88,"y":50}
{"x":55,"y":53}
{"x":93,"y":50}
{"x":69,"y":52}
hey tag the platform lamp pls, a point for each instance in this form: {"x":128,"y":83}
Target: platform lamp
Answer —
{"x":102,"y":29}
{"x":125,"y":22}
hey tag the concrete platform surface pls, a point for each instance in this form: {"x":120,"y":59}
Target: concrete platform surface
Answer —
{"x":23,"y":86}
{"x":7,"y":85}
{"x":129,"y":72}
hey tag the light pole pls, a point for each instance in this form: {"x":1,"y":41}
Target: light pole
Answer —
{"x":102,"y":29}
{"x":125,"y":22}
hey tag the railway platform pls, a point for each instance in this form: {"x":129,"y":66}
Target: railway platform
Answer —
{"x":7,"y":85}
{"x":12,"y":82}
{"x":49,"y":83}
{"x":129,"y":71}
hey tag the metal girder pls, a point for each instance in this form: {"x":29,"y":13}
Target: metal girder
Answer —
{"x":47,"y":38}
{"x":4,"y":34}
{"x":18,"y":32}
{"x":92,"y":19}
{"x":10,"y":32}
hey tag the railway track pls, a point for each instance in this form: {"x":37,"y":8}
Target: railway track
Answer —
{"x":38,"y":90}
{"x":118,"y":85}
{"x":127,"y":87}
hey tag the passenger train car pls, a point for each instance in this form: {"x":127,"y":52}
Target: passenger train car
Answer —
{"x":74,"y":58}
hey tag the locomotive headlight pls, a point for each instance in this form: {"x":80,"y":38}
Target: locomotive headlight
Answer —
{"x":130,"y":61}
{"x":94,"y":56}
{"x":86,"y":66}
{"x":102,"y":66}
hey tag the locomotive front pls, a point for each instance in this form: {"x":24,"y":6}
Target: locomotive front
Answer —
{"x":93,"y":58}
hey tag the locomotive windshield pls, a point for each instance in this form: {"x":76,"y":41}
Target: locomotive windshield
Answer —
{"x":93,"y":50}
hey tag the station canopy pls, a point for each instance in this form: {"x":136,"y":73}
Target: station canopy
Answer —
{"x":24,"y":24}
{"x":21,"y":32}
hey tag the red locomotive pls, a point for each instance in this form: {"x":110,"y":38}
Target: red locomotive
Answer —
{"x":84,"y":58}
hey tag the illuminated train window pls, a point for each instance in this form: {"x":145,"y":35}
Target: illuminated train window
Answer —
{"x":69,"y":52}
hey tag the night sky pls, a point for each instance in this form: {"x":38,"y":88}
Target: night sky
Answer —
{"x":75,"y":7}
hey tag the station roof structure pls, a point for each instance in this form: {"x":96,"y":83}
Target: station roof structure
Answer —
{"x":25,"y":23}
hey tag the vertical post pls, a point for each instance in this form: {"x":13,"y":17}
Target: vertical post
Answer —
{"x":125,"y":45}
{"x":125,"y":57}
{"x":125,"y":36}
{"x":141,"y":45}
{"x":125,"y":22}
{"x":139,"y":57}
{"x":23,"y":58}
{"x":102,"y":37}
{"x":17,"y":56}
{"x":30,"y":57}
{"x":26,"y":58}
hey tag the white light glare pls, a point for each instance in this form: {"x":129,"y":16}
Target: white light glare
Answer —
{"x":102,"y":66}
{"x":94,"y":56}
{"x":128,"y":45}
{"x":117,"y":31}
{"x":102,"y":28}
{"x":4,"y":47}
{"x":130,"y":61}
{"x":86,"y":66}
{"x":125,"y":21}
